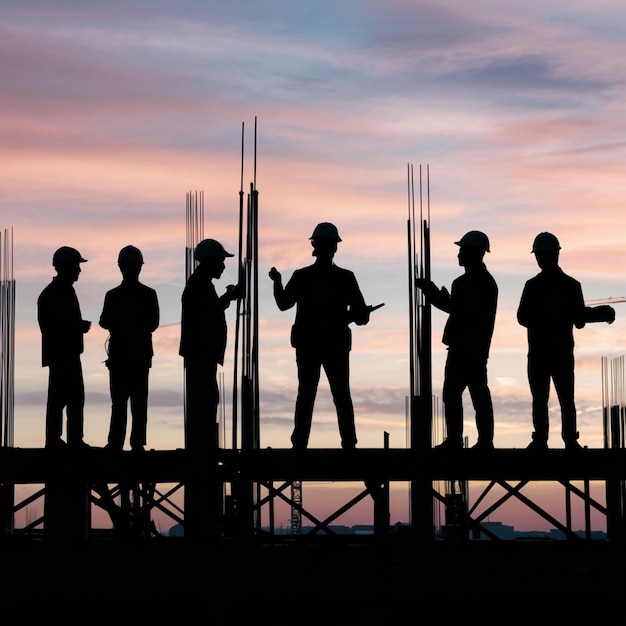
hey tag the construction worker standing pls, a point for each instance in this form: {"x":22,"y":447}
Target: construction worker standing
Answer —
{"x":471,"y":306}
{"x":203,"y":343}
{"x":328,"y":299}
{"x":551,"y":305}
{"x":130,"y":314}
{"x":62,"y":329}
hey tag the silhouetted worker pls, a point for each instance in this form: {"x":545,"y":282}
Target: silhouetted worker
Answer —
{"x":203,"y":343}
{"x":471,"y":305}
{"x":131,"y":314}
{"x":328,"y":299}
{"x":62,"y":329}
{"x":551,"y":305}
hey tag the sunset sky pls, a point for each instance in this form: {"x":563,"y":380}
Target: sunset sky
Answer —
{"x":112,"y":112}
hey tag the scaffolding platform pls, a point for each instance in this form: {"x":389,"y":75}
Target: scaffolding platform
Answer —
{"x":228,"y":488}
{"x":38,"y":465}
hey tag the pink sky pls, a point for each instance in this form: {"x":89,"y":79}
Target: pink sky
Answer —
{"x":111,"y":114}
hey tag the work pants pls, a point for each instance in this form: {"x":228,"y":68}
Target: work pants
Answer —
{"x":462,"y":371}
{"x":66,"y":391}
{"x":543,"y":368}
{"x":128,"y":383}
{"x":336,"y":365}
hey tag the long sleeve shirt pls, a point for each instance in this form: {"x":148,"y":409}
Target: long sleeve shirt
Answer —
{"x":131,"y":314}
{"x":471,"y":307}
{"x":550,"y":306}
{"x":60,"y":321}
{"x":203,"y":320}
{"x":327,"y":299}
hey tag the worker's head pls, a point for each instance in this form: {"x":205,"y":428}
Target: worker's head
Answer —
{"x":472,"y":247}
{"x":474,"y":239}
{"x":130,"y":254}
{"x":324,"y":239}
{"x":210,"y":249}
{"x":66,"y":262}
{"x":210,"y":254}
{"x":130,"y":262}
{"x":546,"y":248}
{"x":545,"y":242}
{"x":65,"y":255}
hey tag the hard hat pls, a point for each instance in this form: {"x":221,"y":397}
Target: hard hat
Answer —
{"x":65,"y":254}
{"x":208,"y":248}
{"x":476,"y":239}
{"x":130,"y":254}
{"x":545,"y":242}
{"x":326,"y":230}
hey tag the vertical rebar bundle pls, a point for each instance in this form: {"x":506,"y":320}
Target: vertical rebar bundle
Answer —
{"x":613,"y":402}
{"x":420,"y":344}
{"x":7,"y":340}
{"x":194,"y":233}
{"x":7,"y":372}
{"x":194,"y":207}
{"x":420,"y":401}
{"x":247,"y":325}
{"x":245,"y":406}
{"x":613,"y":417}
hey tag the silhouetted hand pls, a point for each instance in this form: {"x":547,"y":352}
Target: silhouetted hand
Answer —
{"x":86,"y":326}
{"x":370,"y":308}
{"x":362,"y":321}
{"x":426,"y":285}
{"x":607,"y":313}
{"x":233,"y":292}
{"x":274,"y":274}
{"x":601,"y":313}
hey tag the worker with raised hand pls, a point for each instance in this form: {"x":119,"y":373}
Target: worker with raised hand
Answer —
{"x":131,"y":314}
{"x":327,"y":299}
{"x":471,"y":306}
{"x":62,"y":342}
{"x":550,"y":307}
